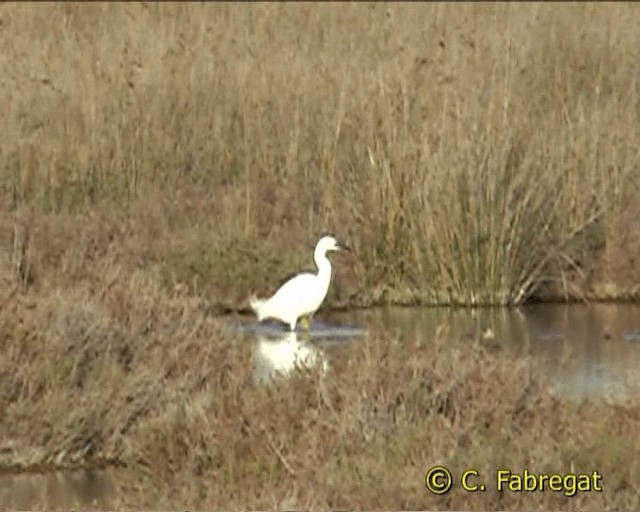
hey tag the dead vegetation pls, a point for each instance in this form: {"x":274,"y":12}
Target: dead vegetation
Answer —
{"x":469,"y":154}
{"x":167,"y":394}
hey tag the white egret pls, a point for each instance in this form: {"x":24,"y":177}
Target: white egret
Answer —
{"x":303,"y":294}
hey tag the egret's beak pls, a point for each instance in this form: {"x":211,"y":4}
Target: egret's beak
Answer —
{"x":344,"y":247}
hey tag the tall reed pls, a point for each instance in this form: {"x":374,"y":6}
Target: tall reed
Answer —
{"x":470,"y":153}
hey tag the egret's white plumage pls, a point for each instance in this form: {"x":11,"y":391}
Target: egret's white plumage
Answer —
{"x":303,"y":294}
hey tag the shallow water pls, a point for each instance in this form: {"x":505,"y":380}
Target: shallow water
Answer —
{"x":587,"y":350}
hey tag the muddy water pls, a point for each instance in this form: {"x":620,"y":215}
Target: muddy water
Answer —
{"x":586,"y":350}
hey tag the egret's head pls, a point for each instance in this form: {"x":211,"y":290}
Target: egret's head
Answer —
{"x":328,"y":243}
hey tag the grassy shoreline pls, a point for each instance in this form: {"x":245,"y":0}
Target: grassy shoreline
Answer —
{"x":167,"y":392}
{"x":65,"y":252}
{"x":184,"y":414}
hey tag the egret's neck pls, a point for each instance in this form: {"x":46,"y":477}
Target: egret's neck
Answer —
{"x":323,"y":264}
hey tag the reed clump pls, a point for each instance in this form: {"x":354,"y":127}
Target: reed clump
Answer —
{"x":470,"y":154}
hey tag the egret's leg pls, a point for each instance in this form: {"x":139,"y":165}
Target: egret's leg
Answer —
{"x":305,"y":322}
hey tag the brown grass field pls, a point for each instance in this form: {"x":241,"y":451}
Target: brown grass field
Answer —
{"x":161,"y":162}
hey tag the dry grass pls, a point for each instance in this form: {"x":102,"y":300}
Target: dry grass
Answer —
{"x":156,"y":159}
{"x":168,"y":391}
{"x":470,"y":154}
